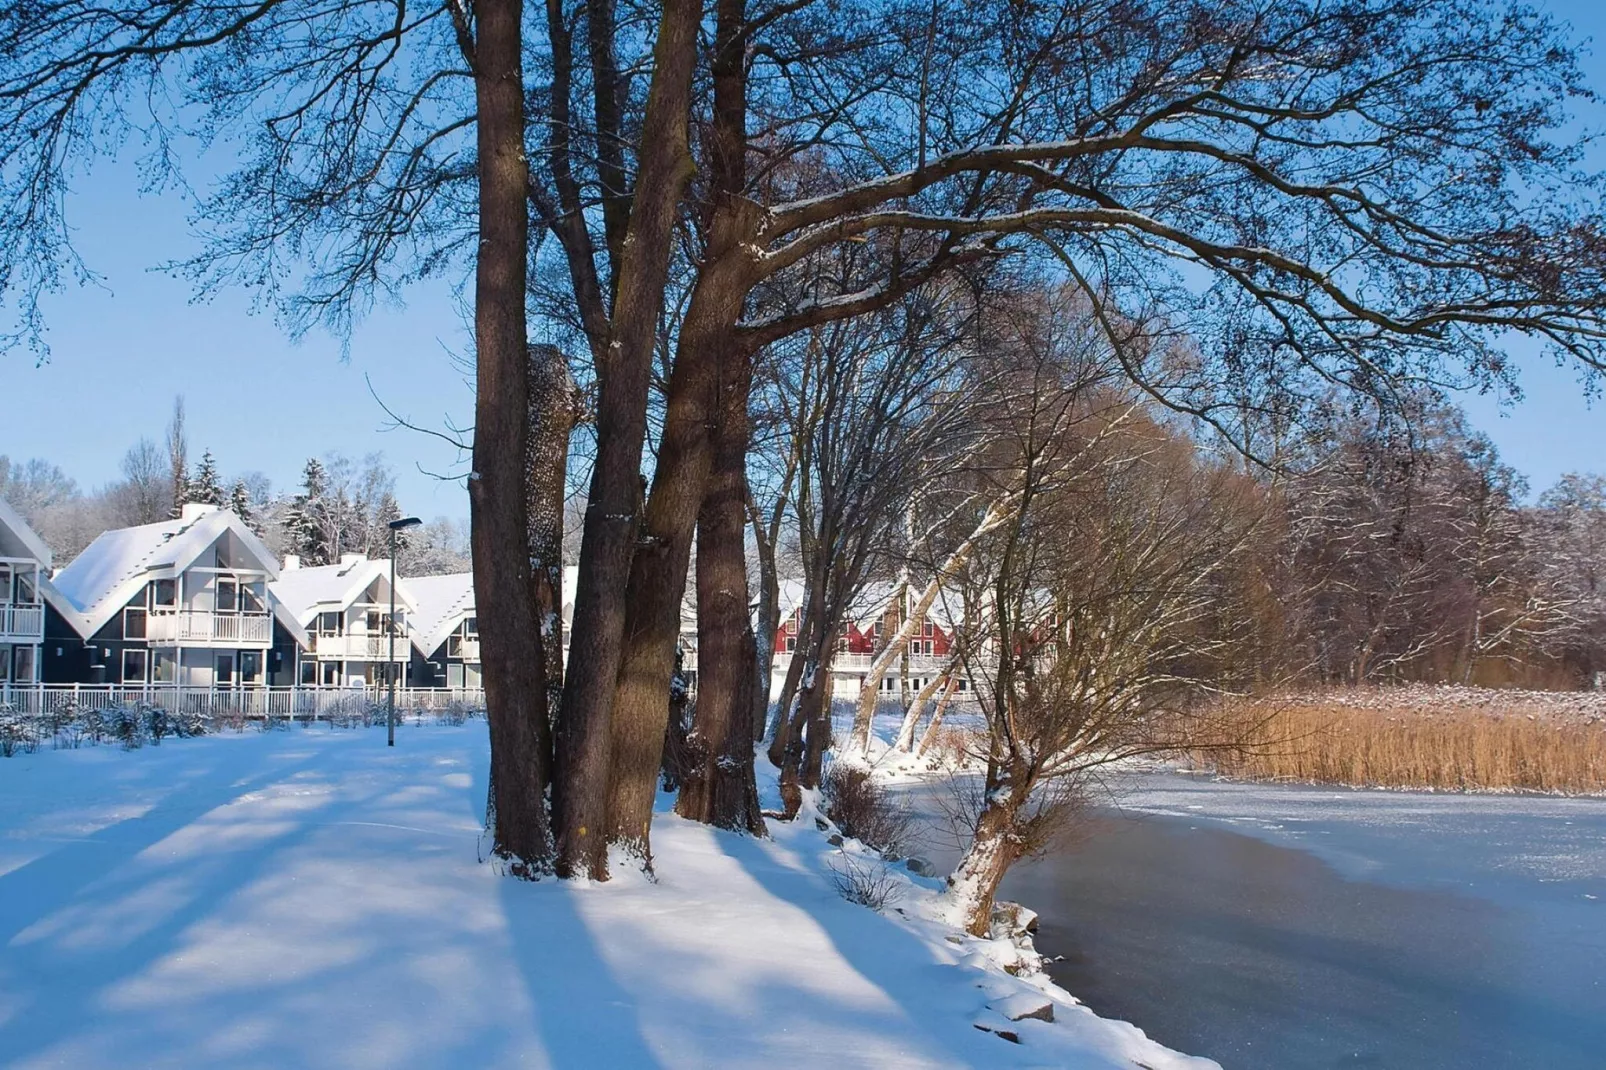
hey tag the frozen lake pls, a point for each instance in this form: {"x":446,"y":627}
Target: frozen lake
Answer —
{"x":1289,"y":928}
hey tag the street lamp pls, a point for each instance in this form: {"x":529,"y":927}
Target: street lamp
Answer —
{"x":390,"y":670}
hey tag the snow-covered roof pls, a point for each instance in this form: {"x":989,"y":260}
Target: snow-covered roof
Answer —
{"x":306,"y":592}
{"x":17,"y":539}
{"x":871,"y":603}
{"x":113,"y":568}
{"x":440,"y":604}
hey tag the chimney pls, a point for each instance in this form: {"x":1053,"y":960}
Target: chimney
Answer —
{"x":193,"y":511}
{"x":291,"y":562}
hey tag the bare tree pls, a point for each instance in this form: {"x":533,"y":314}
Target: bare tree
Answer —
{"x":145,"y":494}
{"x":868,"y":406}
{"x":1108,"y":628}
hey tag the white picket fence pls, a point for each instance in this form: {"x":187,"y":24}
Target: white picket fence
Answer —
{"x":292,"y":703}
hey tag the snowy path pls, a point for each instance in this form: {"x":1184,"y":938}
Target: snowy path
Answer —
{"x":310,"y":899}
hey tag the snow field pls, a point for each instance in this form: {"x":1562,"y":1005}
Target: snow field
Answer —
{"x":308,"y":898}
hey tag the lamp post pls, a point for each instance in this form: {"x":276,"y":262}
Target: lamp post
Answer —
{"x":390,"y":669}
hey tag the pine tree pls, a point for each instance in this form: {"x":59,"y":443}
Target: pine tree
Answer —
{"x":205,"y":487}
{"x":240,"y":504}
{"x":304,"y":520}
{"x":386,"y":511}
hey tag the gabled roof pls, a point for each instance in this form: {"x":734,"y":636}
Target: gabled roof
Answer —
{"x":871,"y":603}
{"x":113,"y":568}
{"x":441,"y":603}
{"x":17,"y":539}
{"x":306,"y":592}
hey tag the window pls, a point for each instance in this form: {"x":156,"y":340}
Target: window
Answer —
{"x":791,"y":643}
{"x":225,"y":669}
{"x":251,"y":600}
{"x":5,"y":664}
{"x":25,"y":593}
{"x":134,"y":622}
{"x":373,"y":622}
{"x":331,"y":673}
{"x":163,"y":669}
{"x":309,"y":673}
{"x":250,"y":666}
{"x":22,"y":664}
{"x":164,"y":593}
{"x":135,"y":663}
{"x":329,"y":624}
{"x":471,"y":627}
{"x":228,"y":596}
{"x":5,"y":583}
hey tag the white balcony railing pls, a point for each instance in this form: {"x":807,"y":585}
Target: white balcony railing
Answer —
{"x":300,"y":703}
{"x":198,"y":626}
{"x":358,"y":647}
{"x":22,"y":623}
{"x":851,"y":663}
{"x":466,"y":649}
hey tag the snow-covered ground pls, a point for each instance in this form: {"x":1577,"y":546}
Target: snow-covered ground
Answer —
{"x":310,"y":898}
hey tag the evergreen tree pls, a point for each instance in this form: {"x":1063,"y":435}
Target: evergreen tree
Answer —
{"x":240,"y":504}
{"x":305,"y":527}
{"x":386,"y":511}
{"x":205,"y":487}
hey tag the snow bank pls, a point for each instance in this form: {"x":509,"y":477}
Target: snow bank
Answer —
{"x":309,"y":898}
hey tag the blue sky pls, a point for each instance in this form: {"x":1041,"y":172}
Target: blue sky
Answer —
{"x":122,"y":349}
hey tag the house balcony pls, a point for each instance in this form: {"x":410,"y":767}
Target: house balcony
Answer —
{"x":463,"y":649}
{"x":22,"y":623}
{"x":374,"y":647}
{"x":847,"y":664}
{"x":187,"y":627}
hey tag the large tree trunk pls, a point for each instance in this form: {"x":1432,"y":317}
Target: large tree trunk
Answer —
{"x":720,"y":787}
{"x":608,"y":543}
{"x":658,"y":574}
{"x":974,"y":884}
{"x":706,"y":358}
{"x":504,"y":588}
{"x":551,"y":420}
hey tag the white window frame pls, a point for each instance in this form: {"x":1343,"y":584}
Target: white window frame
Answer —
{"x":145,"y":665}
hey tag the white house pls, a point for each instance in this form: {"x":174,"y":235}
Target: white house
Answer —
{"x":444,"y":631}
{"x":344,"y":610}
{"x":26,"y":595}
{"x":182,"y":601}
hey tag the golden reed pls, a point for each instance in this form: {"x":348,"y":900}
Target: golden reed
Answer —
{"x":1450,"y":746}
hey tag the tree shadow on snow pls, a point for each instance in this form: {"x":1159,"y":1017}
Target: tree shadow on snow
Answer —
{"x":586,"y":1019}
{"x":88,"y":877}
{"x":935,"y":1006}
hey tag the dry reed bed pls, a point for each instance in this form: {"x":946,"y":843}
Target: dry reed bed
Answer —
{"x":1472,"y":742}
